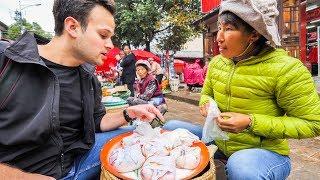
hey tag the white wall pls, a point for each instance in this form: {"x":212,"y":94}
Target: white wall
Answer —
{"x":194,"y":45}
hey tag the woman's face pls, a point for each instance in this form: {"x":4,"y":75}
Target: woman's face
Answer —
{"x":141,"y":71}
{"x":232,"y":42}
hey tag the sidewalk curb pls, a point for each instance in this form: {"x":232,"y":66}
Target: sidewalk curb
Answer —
{"x":183,"y":99}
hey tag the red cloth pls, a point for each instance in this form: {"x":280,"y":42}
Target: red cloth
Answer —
{"x":313,"y":55}
{"x":109,"y":61}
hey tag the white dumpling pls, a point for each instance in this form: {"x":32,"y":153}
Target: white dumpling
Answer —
{"x":154,"y":147}
{"x":126,"y":159}
{"x":178,"y":137}
{"x":146,"y":130}
{"x":143,"y":133}
{"x":132,"y":139}
{"x":186,"y":157}
{"x":159,"y":168}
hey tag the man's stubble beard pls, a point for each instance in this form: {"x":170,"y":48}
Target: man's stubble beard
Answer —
{"x":82,"y":54}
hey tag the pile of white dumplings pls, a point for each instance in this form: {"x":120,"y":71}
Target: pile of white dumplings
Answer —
{"x":156,"y":155}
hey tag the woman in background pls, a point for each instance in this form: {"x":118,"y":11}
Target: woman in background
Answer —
{"x":147,"y":88}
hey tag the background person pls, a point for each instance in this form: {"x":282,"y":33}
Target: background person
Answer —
{"x":156,"y":70}
{"x":147,"y":88}
{"x":129,"y":69}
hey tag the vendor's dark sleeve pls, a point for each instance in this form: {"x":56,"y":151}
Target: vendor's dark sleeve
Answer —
{"x":99,"y":109}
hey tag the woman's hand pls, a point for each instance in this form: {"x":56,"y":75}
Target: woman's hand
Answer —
{"x":144,"y":112}
{"x":233,"y":122}
{"x":204,"y":109}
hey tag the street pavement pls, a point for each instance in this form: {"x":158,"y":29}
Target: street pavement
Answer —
{"x":305,"y":153}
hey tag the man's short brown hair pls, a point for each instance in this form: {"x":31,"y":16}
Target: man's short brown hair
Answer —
{"x":78,"y":9}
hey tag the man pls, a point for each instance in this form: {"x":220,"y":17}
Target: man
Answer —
{"x":50,"y":101}
{"x":156,"y":70}
{"x":129,"y":68}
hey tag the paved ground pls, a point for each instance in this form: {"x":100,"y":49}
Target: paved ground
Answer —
{"x":305,"y":154}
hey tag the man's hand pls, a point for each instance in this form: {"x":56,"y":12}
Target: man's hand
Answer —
{"x":144,"y":112}
{"x":233,"y":122}
{"x":7,"y":172}
{"x":37,"y":177}
{"x":204,"y":109}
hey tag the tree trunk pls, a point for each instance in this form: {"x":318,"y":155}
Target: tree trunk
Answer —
{"x":148,"y":45}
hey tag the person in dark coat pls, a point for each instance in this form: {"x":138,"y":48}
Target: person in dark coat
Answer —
{"x":129,"y":68}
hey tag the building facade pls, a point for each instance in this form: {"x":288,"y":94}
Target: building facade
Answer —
{"x":3,"y":28}
{"x":312,"y":21}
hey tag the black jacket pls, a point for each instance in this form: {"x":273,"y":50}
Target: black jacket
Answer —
{"x":129,"y":68}
{"x":29,"y":115}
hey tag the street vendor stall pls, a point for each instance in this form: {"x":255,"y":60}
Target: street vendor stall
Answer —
{"x":114,"y":97}
{"x":114,"y":103}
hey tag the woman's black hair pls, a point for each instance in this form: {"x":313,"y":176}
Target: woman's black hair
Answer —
{"x":232,"y":19}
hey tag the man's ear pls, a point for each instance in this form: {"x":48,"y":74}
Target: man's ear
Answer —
{"x":72,"y":27}
{"x":254,"y":36}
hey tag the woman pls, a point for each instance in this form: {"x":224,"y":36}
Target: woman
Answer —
{"x":147,"y":88}
{"x":265,"y":96}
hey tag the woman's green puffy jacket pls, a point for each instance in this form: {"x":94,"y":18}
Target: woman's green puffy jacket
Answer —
{"x":275,"y":89}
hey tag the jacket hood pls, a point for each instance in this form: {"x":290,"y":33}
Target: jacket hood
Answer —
{"x":24,"y":50}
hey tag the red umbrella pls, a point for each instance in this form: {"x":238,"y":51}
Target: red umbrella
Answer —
{"x":109,"y":60}
{"x":141,"y":54}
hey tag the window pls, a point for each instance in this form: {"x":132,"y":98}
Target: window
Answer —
{"x":290,"y":27}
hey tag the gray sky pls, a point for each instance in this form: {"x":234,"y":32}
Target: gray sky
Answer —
{"x":41,"y":14}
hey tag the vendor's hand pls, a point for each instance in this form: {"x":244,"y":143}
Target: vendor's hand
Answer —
{"x":144,"y":112}
{"x":204,"y":109}
{"x":233,"y":122}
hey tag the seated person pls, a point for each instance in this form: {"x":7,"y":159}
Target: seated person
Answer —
{"x":265,"y":96}
{"x":147,"y":88}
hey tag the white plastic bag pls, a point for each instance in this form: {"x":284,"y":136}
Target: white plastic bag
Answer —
{"x":211,"y":131}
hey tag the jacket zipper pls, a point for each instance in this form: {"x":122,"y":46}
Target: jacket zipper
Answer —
{"x":56,"y":140}
{"x":228,"y":89}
